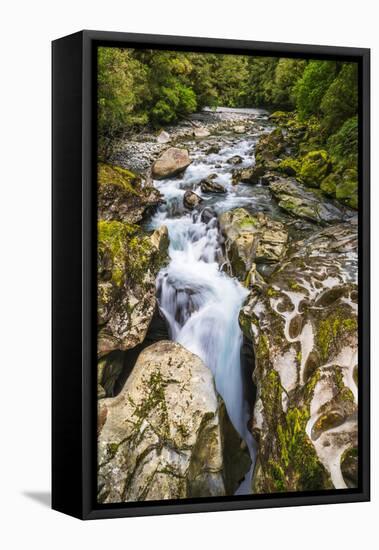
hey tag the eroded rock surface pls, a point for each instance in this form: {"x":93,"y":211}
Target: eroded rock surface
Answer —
{"x":303,"y":324}
{"x":128,"y":262}
{"x":251,"y":239}
{"x":165,"y":435}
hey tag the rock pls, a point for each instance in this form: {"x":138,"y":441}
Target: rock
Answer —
{"x":269,"y":177}
{"x":250,"y":175}
{"x":289,"y":166}
{"x":303,"y":203}
{"x":207,"y":215}
{"x":109,"y":369}
{"x":171,"y":162}
{"x":201,"y":132}
{"x":163,"y":137}
{"x":128,"y":262}
{"x":329,"y":185}
{"x":208,"y":185}
{"x":191,"y":199}
{"x":269,"y":147}
{"x":123,"y":195}
{"x":167,"y":434}
{"x":347,"y":189}
{"x":349,"y":467}
{"x":251,"y":239}
{"x":239,"y":129}
{"x":302,"y":322}
{"x":236,"y":159}
{"x":314,"y":167}
{"x":213,"y":150}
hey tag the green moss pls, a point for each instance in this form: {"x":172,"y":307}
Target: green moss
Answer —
{"x":329,"y":184}
{"x":315,"y":166}
{"x":289,"y":166}
{"x":332,"y":329}
{"x":347,"y":189}
{"x":272,"y":293}
{"x":113,"y":237}
{"x":115,"y":175}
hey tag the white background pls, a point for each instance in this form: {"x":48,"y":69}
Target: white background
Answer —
{"x":26,"y":31}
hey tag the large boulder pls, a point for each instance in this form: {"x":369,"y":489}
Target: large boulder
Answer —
{"x":167,"y":434}
{"x":201,"y":132}
{"x":302,"y":323}
{"x":128,"y":262}
{"x":314,"y":167}
{"x":269,"y":147}
{"x":173,"y":161}
{"x":251,"y":239}
{"x":123,"y":195}
{"x":300,"y":202}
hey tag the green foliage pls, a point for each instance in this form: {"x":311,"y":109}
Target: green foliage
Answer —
{"x":287,"y":73}
{"x":340,"y":101}
{"x":311,"y":87}
{"x":343,"y":145}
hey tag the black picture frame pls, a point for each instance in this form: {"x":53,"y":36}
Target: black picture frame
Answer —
{"x":74,"y":274}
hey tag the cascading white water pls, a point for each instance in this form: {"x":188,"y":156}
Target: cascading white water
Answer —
{"x":200,"y":302}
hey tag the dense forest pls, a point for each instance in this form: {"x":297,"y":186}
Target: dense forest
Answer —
{"x":156,"y":88}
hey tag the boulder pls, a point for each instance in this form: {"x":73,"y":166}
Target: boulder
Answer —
{"x":347,"y":188}
{"x":191,"y":199}
{"x":208,"y":185}
{"x":269,"y":147}
{"x":163,"y":137}
{"x":236,"y":159}
{"x":250,"y":240}
{"x":171,"y":162}
{"x":314,"y":167}
{"x":302,"y":323}
{"x":252,"y":175}
{"x":201,"y":132}
{"x":123,"y":195}
{"x":167,"y":434}
{"x":304,"y":203}
{"x":128,"y":262}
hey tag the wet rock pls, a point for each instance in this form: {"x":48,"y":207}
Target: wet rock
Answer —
{"x":207,"y":215}
{"x":191,"y":200}
{"x":128,"y":262}
{"x":303,"y":203}
{"x":163,"y":137}
{"x":236,"y":159}
{"x":167,"y":434}
{"x":250,"y":175}
{"x":213,"y":150}
{"x":123,"y":195}
{"x":303,"y":325}
{"x":349,"y":467}
{"x":251,"y":239}
{"x":208,"y":185}
{"x":171,"y":162}
{"x":269,"y":147}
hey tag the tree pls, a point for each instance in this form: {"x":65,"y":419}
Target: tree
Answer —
{"x":311,"y":87}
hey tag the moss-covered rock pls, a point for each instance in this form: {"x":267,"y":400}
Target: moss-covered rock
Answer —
{"x":315,"y":166}
{"x":128,"y":262}
{"x":269,"y":147}
{"x":251,"y":239}
{"x":302,"y":321}
{"x":329,"y":184}
{"x":289,"y":166}
{"x":349,"y":467}
{"x":347,"y":188}
{"x":167,"y":434}
{"x":123,"y":195}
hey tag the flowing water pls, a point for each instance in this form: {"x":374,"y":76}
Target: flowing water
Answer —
{"x":201,"y":302}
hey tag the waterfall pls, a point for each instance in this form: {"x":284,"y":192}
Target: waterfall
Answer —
{"x":200,"y":302}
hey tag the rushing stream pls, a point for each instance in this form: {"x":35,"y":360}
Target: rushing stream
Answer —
{"x":199,"y":300}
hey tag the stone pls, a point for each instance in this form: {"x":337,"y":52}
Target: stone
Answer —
{"x":208,"y":185}
{"x":201,"y":132}
{"x":171,"y":162}
{"x":251,"y":239}
{"x":123,"y":195}
{"x":305,"y":203}
{"x":128,"y":262}
{"x":314,"y":167}
{"x":236,"y":159}
{"x":191,"y":199}
{"x":269,"y":147}
{"x":163,"y":137}
{"x":239,"y":129}
{"x":302,"y":324}
{"x":167,"y":434}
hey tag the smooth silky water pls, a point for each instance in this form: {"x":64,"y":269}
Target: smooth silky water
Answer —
{"x":200,"y":302}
